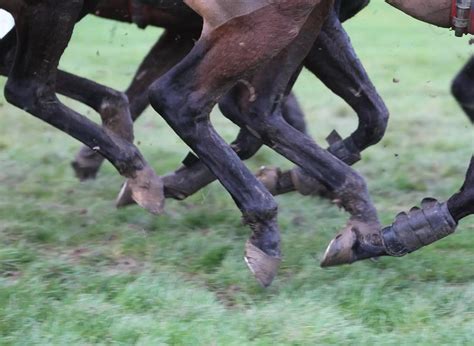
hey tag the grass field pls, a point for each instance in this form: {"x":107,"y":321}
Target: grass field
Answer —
{"x":73,"y":270}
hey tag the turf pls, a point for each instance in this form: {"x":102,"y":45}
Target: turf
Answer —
{"x":73,"y":270}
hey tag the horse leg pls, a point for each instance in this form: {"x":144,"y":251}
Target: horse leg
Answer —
{"x":43,"y":31}
{"x":194,"y":175}
{"x":463,"y":89}
{"x":185,"y":96}
{"x":113,"y":108}
{"x":167,"y":52}
{"x":333,"y":61}
{"x":110,"y":104}
{"x":461,"y":204}
{"x":293,"y":114}
{"x":261,"y":116}
{"x":434,"y":221}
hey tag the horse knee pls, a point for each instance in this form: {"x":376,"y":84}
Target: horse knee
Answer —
{"x":26,"y":95}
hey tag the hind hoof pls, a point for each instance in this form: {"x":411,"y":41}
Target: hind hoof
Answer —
{"x":146,"y":190}
{"x":358,"y":241}
{"x":339,"y":250}
{"x":86,"y":164}
{"x":269,"y":177}
{"x":84,"y":173}
{"x":263,"y":266}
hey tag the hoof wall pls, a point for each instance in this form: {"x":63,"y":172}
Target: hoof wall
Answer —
{"x":340,"y":250}
{"x":263,"y":266}
{"x":124,"y":198}
{"x":146,"y":190}
{"x":358,"y":241}
{"x":84,"y":173}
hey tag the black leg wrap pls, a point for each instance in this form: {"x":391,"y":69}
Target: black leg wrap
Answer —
{"x":418,"y":228}
{"x":344,"y":150}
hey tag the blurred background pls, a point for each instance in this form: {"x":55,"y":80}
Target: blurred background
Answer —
{"x":73,"y":269}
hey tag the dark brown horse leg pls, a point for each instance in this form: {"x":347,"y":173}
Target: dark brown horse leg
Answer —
{"x":185,"y":96}
{"x":187,"y":180}
{"x":461,"y":204}
{"x":335,"y":63}
{"x":170,"y":49}
{"x":112,"y":106}
{"x":167,"y":52}
{"x":333,"y":60}
{"x":194,"y":175}
{"x":463,"y":88}
{"x":343,"y":183}
{"x":43,"y":31}
{"x":293,"y":114}
{"x":434,"y":221}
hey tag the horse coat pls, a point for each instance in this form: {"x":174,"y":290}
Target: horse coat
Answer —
{"x":218,"y":12}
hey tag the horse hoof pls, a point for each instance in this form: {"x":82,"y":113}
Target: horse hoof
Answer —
{"x":269,"y":177}
{"x":145,"y":189}
{"x":83,"y":173}
{"x":340,"y":249}
{"x":86,"y":164}
{"x":263,"y":266}
{"x":359,"y":240}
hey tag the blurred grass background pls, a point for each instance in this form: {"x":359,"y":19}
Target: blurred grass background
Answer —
{"x":75,"y":270}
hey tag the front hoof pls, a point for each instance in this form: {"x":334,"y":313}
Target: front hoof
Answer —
{"x":358,"y":241}
{"x":340,"y":249}
{"x":146,"y":189}
{"x":263,"y":266}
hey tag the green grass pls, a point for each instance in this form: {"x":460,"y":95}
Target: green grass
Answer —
{"x":73,"y":270}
